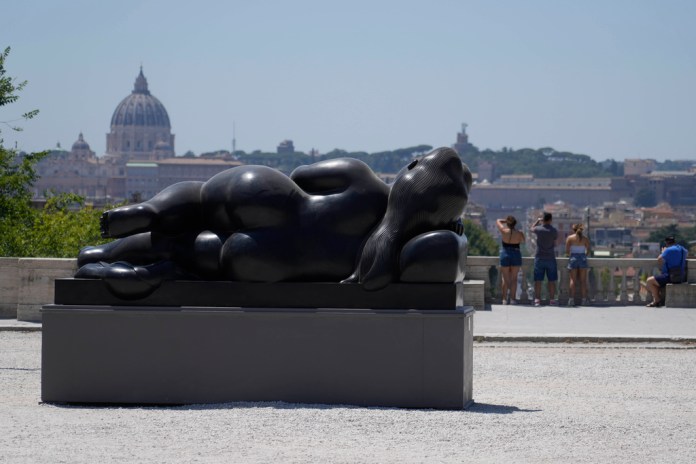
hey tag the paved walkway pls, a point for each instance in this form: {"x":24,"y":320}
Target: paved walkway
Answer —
{"x":613,"y":323}
{"x":550,"y":324}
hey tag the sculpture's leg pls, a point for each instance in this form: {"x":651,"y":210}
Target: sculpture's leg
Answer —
{"x":438,"y":256}
{"x":205,"y":260}
{"x":143,"y":248}
{"x":174,"y":210}
{"x":131,"y":282}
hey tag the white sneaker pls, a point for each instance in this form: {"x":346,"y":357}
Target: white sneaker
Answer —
{"x":513,"y":302}
{"x":537,"y":303}
{"x":504,"y":301}
{"x":585,"y":302}
{"x":571,"y":303}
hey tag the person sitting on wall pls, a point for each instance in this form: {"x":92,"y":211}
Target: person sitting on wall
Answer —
{"x":672,"y":259}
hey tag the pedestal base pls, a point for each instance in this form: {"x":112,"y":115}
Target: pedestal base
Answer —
{"x":180,"y":355}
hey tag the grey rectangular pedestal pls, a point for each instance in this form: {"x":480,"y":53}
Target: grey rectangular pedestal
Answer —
{"x":175,"y":355}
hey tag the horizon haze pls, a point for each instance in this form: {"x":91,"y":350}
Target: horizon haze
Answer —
{"x":611,"y":80}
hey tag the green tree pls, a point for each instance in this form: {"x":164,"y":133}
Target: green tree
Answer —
{"x":481,"y":243}
{"x":17,"y":174}
{"x":686,"y":236}
{"x":63,"y":226}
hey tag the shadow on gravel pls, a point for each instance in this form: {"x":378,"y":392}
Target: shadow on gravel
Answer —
{"x":480,"y":408}
{"x":20,"y":368}
{"x":483,"y":408}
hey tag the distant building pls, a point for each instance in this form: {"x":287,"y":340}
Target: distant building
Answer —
{"x":76,"y":171}
{"x":637,"y":167}
{"x":486,"y":171}
{"x":462,"y":145}
{"x":139,"y":159}
{"x":286,"y":146}
{"x":525,"y":191}
{"x":173,"y":170}
{"x":140,"y":128}
{"x":674,"y":187}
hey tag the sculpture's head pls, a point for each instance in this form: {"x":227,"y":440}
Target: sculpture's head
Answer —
{"x":436,"y":184}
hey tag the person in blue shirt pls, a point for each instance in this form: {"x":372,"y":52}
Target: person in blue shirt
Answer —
{"x":673,"y":256}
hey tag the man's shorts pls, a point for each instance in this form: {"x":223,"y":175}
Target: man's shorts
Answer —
{"x":545,"y":267}
{"x":662,"y":279}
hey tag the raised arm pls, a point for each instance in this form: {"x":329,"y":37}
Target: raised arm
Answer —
{"x":536,"y":223}
{"x":501,"y":225}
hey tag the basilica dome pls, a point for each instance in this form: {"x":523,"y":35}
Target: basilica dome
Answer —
{"x":140,"y":108}
{"x":139,"y":123}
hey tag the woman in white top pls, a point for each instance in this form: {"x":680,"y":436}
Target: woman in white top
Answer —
{"x":578,"y":248}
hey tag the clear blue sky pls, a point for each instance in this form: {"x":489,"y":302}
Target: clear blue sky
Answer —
{"x":608,"y":78}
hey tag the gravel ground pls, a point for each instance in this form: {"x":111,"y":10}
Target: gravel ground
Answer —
{"x":534,"y":403}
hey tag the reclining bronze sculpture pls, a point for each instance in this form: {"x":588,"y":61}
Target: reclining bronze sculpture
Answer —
{"x":330,"y":221}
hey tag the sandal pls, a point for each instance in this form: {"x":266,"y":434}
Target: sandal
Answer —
{"x":653,"y":304}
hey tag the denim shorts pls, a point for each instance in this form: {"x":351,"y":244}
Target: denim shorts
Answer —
{"x":510,"y":257}
{"x":577,"y":261}
{"x":545,"y":267}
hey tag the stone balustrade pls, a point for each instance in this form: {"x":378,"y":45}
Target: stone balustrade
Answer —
{"x":612,"y":281}
{"x":26,"y":284}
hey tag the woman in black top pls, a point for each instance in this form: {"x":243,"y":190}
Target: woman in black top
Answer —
{"x":510,"y":257}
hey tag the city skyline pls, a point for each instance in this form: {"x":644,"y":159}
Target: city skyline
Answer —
{"x":610,"y":81}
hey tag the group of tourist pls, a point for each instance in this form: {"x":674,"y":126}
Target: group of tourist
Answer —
{"x":577,"y":248}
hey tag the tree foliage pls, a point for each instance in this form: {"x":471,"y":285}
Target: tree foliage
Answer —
{"x":63,"y":226}
{"x":542,"y":163}
{"x":481,"y":243}
{"x":685,"y":236}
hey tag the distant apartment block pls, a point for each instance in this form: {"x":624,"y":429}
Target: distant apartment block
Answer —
{"x":286,"y":146}
{"x":638,"y":167}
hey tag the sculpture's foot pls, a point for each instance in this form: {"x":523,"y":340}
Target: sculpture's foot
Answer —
{"x":92,"y":254}
{"x":127,"y":281}
{"x":126,"y":220}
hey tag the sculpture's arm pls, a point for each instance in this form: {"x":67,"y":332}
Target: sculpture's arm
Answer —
{"x":333,"y":176}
